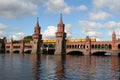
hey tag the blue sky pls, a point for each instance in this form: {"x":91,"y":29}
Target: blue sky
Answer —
{"x":94,"y":18}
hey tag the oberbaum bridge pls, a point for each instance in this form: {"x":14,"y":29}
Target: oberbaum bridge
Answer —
{"x":61,"y":45}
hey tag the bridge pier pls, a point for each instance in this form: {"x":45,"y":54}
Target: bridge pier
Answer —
{"x":86,"y":53}
{"x":114,"y":53}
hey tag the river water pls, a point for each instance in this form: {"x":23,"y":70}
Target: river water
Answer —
{"x":56,"y":67}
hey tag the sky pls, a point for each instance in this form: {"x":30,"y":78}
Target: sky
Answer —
{"x":93,"y":18}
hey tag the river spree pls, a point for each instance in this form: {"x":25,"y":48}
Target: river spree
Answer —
{"x":55,"y":67}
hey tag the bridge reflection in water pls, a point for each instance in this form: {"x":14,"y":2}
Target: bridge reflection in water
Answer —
{"x":56,"y":67}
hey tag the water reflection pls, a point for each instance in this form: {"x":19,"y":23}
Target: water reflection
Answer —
{"x":56,"y":67}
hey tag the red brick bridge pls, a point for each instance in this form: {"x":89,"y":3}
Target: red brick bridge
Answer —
{"x":81,"y":46}
{"x":87,"y":46}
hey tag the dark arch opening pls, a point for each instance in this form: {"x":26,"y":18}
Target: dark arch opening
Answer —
{"x":119,"y":54}
{"x":28,"y":51}
{"x":16,"y":51}
{"x":101,"y":54}
{"x":50,"y":51}
{"x":75,"y":53}
{"x":118,"y":46}
{"x":8,"y":51}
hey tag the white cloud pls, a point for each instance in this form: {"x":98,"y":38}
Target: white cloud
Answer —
{"x":2,"y":34}
{"x":7,"y":31}
{"x":68,"y":30}
{"x":110,"y":5}
{"x":38,"y":1}
{"x":18,"y":36}
{"x":112,"y":24}
{"x":101,"y":3}
{"x":81,"y":8}
{"x":100,"y":15}
{"x":49,"y":33}
{"x":2,"y":30}
{"x":17,"y":8}
{"x":57,"y":6}
{"x":92,"y":34}
{"x":90,"y":25}
{"x":2,"y":26}
{"x":94,"y":29}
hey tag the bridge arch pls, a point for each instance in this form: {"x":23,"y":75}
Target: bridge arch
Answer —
{"x":8,"y":51}
{"x":101,"y":53}
{"x":119,"y":54}
{"x":118,"y":46}
{"x":16,"y":51}
{"x":28,"y":51}
{"x":75,"y":53}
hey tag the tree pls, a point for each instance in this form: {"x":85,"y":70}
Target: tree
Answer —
{"x":27,"y":39}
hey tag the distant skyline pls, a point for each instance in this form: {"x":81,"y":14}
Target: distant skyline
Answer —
{"x":94,"y":18}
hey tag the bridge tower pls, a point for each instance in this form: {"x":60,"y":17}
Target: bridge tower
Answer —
{"x":11,"y":46}
{"x":114,"y":47}
{"x":113,"y":36}
{"x":22,"y":45}
{"x":37,"y":36}
{"x":88,"y":46}
{"x":60,"y":47}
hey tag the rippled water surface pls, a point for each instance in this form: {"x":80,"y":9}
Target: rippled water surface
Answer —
{"x":56,"y":67}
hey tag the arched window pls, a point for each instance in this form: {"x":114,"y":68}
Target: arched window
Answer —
{"x":102,"y":47}
{"x":78,"y":46}
{"x":110,"y":47}
{"x":92,"y":46}
{"x":67,"y":46}
{"x":83,"y":46}
{"x":106,"y":46}
{"x":75,"y":46}
{"x":72,"y":46}
{"x":118,"y":46}
{"x":99,"y":46}
{"x":95,"y":46}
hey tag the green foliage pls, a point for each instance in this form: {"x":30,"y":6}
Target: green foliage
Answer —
{"x":16,"y":41}
{"x":27,"y":39}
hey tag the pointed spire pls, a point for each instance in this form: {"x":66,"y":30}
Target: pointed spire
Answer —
{"x":37,"y":27}
{"x":37,"y":21}
{"x":113,"y":32}
{"x":11,"y":39}
{"x":61,"y":21}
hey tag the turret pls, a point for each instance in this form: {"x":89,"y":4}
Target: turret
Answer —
{"x":61,"y":25}
{"x":60,"y":47}
{"x":37,"y":28}
{"x":37,"y":36}
{"x":113,"y":36}
{"x":60,"y":28}
{"x":88,"y":46}
{"x":11,"y":46}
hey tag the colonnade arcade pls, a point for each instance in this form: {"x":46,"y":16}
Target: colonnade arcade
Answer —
{"x":93,"y":46}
